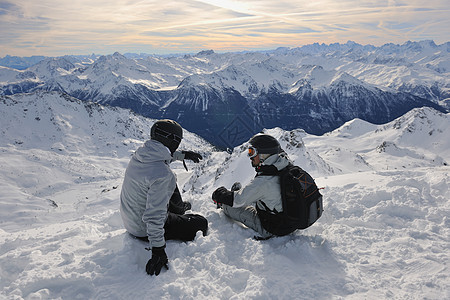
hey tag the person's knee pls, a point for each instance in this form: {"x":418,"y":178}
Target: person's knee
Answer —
{"x":198,"y":223}
{"x":202,"y":223}
{"x":185,"y":227}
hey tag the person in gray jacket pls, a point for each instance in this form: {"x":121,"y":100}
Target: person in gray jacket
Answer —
{"x":150,"y":202}
{"x":262,"y":193}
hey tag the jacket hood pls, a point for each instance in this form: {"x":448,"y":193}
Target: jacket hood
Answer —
{"x":279,"y":161}
{"x":152,"y":151}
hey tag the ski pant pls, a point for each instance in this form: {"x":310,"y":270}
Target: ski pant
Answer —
{"x":182,"y":227}
{"x":247,"y":216}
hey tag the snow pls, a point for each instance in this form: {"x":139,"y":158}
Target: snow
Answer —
{"x":420,"y":68}
{"x":384,"y":232}
{"x":6,"y":74}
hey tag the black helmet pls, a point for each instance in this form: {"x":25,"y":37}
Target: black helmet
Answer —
{"x":265,"y":144}
{"x":168,"y":132}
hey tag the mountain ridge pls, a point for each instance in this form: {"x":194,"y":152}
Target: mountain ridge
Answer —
{"x":314,"y":87}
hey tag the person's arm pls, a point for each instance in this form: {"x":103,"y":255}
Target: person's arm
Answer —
{"x":241,"y":198}
{"x":249,"y":194}
{"x":155,"y":213}
{"x":154,"y":217}
{"x":185,"y":154}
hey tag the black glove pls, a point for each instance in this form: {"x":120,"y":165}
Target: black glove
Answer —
{"x":187,"y":205}
{"x":158,"y":260}
{"x":236,"y":186}
{"x":223,"y":196}
{"x":195,"y":157}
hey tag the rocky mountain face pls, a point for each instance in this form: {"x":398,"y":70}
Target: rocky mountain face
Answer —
{"x":228,"y":97}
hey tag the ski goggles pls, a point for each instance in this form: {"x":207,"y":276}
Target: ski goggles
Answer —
{"x":252,"y":152}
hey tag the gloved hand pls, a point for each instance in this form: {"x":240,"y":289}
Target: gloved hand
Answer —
{"x":187,"y":205}
{"x":223,"y":196}
{"x":236,"y":186}
{"x":195,"y":157}
{"x":158,"y":260}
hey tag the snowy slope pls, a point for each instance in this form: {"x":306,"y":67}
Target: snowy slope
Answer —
{"x":52,"y":143}
{"x":384,"y":233}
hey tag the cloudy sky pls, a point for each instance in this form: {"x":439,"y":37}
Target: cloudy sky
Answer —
{"x":59,"y":27}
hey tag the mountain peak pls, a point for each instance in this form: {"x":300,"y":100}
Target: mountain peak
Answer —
{"x":418,"y":118}
{"x":117,"y":55}
{"x":205,"y":53}
{"x":420,"y":45}
{"x":353,"y":128}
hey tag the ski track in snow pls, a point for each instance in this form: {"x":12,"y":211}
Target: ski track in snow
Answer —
{"x":384,"y":233}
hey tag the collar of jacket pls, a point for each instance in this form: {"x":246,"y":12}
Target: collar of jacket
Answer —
{"x":153,"y":151}
{"x":273,"y":164}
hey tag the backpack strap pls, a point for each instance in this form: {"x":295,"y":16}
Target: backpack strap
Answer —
{"x":271,"y":170}
{"x":266,"y":208}
{"x":266,"y":170}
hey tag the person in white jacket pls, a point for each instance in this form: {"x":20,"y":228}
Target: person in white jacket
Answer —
{"x":262,"y":193}
{"x":150,"y":202}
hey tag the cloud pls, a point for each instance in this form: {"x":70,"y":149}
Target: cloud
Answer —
{"x":6,"y":7}
{"x":57,"y":27}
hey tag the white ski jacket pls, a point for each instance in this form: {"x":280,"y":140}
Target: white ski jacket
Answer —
{"x":263,"y":188}
{"x":147,"y":187}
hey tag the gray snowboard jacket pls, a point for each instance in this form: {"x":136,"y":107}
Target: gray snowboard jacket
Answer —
{"x":147,"y":188}
{"x":263,"y":188}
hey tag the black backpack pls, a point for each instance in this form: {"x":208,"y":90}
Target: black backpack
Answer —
{"x":301,"y":200}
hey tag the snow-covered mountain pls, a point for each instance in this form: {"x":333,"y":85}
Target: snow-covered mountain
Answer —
{"x":417,"y":139}
{"x":20,"y":63}
{"x":228,"y":97}
{"x":384,"y":232}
